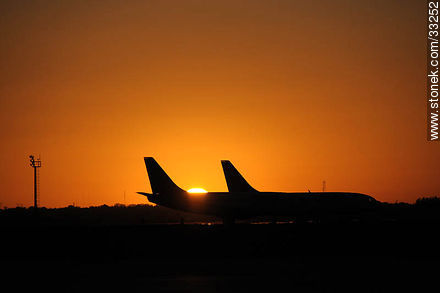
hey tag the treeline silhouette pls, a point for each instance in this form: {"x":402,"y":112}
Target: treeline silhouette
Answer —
{"x":117,"y":214}
{"x":425,"y":209}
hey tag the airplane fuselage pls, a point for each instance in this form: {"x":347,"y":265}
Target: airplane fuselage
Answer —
{"x":245,"y":204}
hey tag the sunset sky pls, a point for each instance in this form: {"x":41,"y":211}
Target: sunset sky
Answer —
{"x":292,"y":92}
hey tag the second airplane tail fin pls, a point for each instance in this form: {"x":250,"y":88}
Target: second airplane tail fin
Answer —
{"x":160,"y":182}
{"x":234,"y":180}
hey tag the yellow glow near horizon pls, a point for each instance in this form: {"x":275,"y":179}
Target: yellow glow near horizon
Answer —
{"x":197,"y":190}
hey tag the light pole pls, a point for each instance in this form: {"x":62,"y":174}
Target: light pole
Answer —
{"x":35,"y":164}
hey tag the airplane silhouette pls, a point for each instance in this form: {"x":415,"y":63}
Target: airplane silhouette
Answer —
{"x":243,"y":201}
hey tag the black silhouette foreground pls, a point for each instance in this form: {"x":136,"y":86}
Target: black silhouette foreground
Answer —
{"x":243,"y":201}
{"x":140,"y":248}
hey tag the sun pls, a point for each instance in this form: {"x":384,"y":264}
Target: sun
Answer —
{"x":197,"y":190}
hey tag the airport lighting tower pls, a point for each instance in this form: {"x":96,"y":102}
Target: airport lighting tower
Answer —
{"x":35,"y":164}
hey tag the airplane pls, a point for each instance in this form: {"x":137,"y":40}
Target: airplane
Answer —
{"x":242,"y":201}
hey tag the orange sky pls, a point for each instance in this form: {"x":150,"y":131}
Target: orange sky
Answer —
{"x":292,"y":92}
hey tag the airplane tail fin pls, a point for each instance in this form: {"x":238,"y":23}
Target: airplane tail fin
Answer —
{"x":160,"y":182}
{"x":234,"y":180}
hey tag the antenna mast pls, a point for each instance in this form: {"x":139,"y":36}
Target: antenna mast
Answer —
{"x":35,"y":164}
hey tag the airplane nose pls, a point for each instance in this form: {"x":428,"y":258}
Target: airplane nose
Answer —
{"x":372,"y":200}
